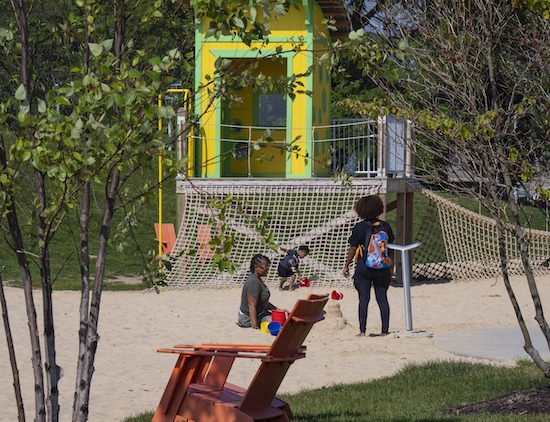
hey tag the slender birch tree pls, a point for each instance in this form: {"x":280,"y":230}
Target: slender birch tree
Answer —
{"x":473,"y":77}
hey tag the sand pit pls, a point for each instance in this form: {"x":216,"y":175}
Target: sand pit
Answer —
{"x":130,"y":376}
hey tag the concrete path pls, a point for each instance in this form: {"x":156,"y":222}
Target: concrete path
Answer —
{"x":503,"y":344}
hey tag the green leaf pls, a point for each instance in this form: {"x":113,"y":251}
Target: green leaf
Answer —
{"x":145,"y":126}
{"x":21,"y":93}
{"x":119,"y":100}
{"x":253,"y":13}
{"x":51,"y":171}
{"x":95,"y":49}
{"x":87,"y":80}
{"x":62,"y":173}
{"x":154,"y":61}
{"x":75,"y":133}
{"x":238,"y":22}
{"x":279,"y":9}
{"x":108,"y":44}
{"x":155,"y":76}
{"x":174,"y":53}
{"x":89,"y":161}
{"x":129,"y":97}
{"x":63,"y":101}
{"x":68,"y":142}
{"x":163,"y":112}
{"x":134,"y":73}
{"x":41,"y":105}
{"x":23,"y":110}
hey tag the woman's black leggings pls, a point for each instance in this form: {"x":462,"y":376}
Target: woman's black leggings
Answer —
{"x":380,"y":279}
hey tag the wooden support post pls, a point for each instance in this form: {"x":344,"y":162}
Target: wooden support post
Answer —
{"x":386,"y":210}
{"x":403,"y":229}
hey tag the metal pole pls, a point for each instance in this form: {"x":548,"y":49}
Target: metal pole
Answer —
{"x":407,"y":289}
{"x":160,"y":194}
{"x":249,"y":151}
{"x":182,"y":138}
{"x":406,"y":279}
{"x":312,"y":151}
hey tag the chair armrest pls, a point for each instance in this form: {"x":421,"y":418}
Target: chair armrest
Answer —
{"x":185,"y":352}
{"x":226,"y":347}
{"x":290,"y":358}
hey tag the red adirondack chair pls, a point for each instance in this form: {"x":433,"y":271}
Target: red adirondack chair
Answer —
{"x":197,"y":389}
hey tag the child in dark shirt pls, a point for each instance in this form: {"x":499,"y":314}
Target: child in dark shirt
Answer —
{"x":289,"y":266}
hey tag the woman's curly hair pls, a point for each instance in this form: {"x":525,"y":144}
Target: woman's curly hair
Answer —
{"x":369,"y":207}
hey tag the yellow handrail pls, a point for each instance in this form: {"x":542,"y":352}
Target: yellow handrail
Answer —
{"x":186,"y":95}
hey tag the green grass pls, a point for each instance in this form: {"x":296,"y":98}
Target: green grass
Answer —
{"x":132,"y":240}
{"x":417,"y":393}
{"x":530,"y":216}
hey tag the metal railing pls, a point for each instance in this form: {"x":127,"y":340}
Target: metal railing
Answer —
{"x":361,"y":147}
{"x":355,"y":145}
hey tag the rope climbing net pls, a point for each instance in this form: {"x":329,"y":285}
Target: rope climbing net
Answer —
{"x":318,"y":214}
{"x":471,"y":244}
{"x":456,"y":243}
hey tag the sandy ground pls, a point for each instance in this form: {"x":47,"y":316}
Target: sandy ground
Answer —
{"x":130,"y":375}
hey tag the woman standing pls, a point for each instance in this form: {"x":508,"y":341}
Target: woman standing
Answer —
{"x":255,"y":306}
{"x":369,"y":208}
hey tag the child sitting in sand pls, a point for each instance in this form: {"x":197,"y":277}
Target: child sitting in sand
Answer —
{"x":289,"y":266}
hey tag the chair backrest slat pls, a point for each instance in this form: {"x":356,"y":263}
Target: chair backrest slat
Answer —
{"x":287,"y":344}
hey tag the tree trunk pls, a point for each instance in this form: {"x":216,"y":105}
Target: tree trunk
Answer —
{"x":81,"y":379}
{"x":81,"y":408}
{"x":31,"y":313}
{"x":36,"y":357}
{"x":492,"y":174}
{"x":52,"y":370}
{"x":82,"y":387}
{"x":41,"y":413}
{"x":500,"y":157}
{"x":88,"y":350}
{"x":11,"y":350}
{"x":523,"y":248}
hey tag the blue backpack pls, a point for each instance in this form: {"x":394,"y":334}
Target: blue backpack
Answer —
{"x":374,"y":249}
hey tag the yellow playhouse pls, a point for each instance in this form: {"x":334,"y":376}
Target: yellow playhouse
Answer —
{"x":224,"y":141}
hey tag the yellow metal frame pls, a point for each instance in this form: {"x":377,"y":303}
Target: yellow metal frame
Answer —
{"x":186,"y":96}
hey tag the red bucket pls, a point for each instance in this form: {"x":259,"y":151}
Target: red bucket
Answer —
{"x":278,"y":316}
{"x":304,"y":282}
{"x":337,"y":295}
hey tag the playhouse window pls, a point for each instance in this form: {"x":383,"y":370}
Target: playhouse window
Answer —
{"x":271,"y":110}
